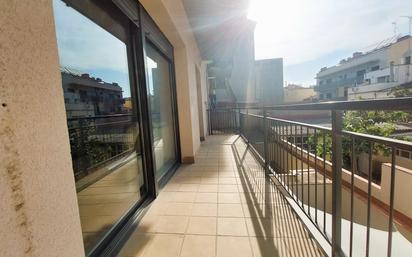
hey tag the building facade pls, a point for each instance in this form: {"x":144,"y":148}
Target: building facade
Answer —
{"x":371,"y":67}
{"x":297,"y":94}
{"x":269,"y":81}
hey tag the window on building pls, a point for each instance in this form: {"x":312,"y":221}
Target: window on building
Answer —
{"x":321,"y":96}
{"x":408,"y":60}
{"x":382,"y":79}
{"x":374,"y":68}
{"x":329,"y":81}
{"x":329,"y":96}
{"x":360,"y":73}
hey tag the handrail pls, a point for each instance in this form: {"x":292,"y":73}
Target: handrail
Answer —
{"x":285,"y":146}
{"x":100,"y":117}
{"x":402,"y":103}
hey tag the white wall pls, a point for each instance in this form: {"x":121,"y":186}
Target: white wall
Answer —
{"x":39,"y":212}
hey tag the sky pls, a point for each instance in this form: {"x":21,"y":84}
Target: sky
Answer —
{"x":311,"y":34}
{"x":88,"y":48}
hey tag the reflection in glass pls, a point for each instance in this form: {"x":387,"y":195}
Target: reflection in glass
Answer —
{"x":101,"y":118}
{"x":161,"y":107}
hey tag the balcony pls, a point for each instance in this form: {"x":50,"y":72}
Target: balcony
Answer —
{"x":258,"y":188}
{"x":224,"y":205}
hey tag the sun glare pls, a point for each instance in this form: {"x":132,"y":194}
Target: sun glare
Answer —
{"x":278,"y":23}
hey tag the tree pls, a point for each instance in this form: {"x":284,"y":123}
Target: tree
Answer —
{"x":400,"y":91}
{"x":378,"y":123}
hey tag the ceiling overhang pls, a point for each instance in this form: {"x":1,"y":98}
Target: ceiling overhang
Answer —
{"x":218,"y":25}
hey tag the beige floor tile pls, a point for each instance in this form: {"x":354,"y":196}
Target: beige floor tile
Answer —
{"x":210,"y":174}
{"x":230,"y":210}
{"x":227,"y":181}
{"x":258,"y":210}
{"x":269,"y":247}
{"x":227,"y":175}
{"x":228,"y":198}
{"x":171,"y":224}
{"x":302,"y":247}
{"x":147,"y":224}
{"x":187,"y":180}
{"x":136,"y":245}
{"x":208,"y":188}
{"x":183,"y":197}
{"x":202,"y":226}
{"x":178,"y":209}
{"x":171,"y":187}
{"x":165,"y":246}
{"x":211,"y":168}
{"x":206,"y":198}
{"x":204,"y":209}
{"x":188,"y":188}
{"x":261,"y":227}
{"x":231,"y":227}
{"x":209,"y":180}
{"x":228,"y":189}
{"x":212,"y":208}
{"x":291,"y":228}
{"x":199,"y":246}
{"x":228,"y":246}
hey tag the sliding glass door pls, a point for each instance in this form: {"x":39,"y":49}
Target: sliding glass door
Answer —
{"x":161,"y":105}
{"x":119,"y":95}
{"x":102,"y":115}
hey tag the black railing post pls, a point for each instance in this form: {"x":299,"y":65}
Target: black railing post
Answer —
{"x":238,"y":123}
{"x":265,"y":141}
{"x":337,"y":126}
{"x":210,"y":122}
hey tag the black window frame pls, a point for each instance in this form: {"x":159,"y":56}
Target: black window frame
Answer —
{"x":141,"y":28}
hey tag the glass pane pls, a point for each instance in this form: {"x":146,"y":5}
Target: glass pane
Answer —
{"x":102,"y":122}
{"x":161,"y":107}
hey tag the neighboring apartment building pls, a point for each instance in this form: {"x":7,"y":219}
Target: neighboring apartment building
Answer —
{"x":334,"y":83}
{"x":297,"y":93}
{"x":230,"y":76}
{"x":269,"y":81}
{"x":85,"y":96}
{"x":397,"y":72}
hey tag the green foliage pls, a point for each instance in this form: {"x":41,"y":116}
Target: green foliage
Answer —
{"x":400,"y":91}
{"x":378,"y":123}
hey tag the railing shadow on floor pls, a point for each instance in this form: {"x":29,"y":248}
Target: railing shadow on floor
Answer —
{"x":276,"y":224}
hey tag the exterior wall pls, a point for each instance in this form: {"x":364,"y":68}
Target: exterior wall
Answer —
{"x":171,"y":18}
{"x":296,"y":95}
{"x":39,"y":213}
{"x":269,"y":81}
{"x":241,"y":79}
{"x":383,"y":58}
{"x":399,"y":50}
{"x":345,"y":75}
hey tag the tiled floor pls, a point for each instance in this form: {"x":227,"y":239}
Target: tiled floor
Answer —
{"x":223,"y":206}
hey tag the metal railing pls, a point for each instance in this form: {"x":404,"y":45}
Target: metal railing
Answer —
{"x":328,"y":172}
{"x":95,"y":141}
{"x":223,"y":120}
